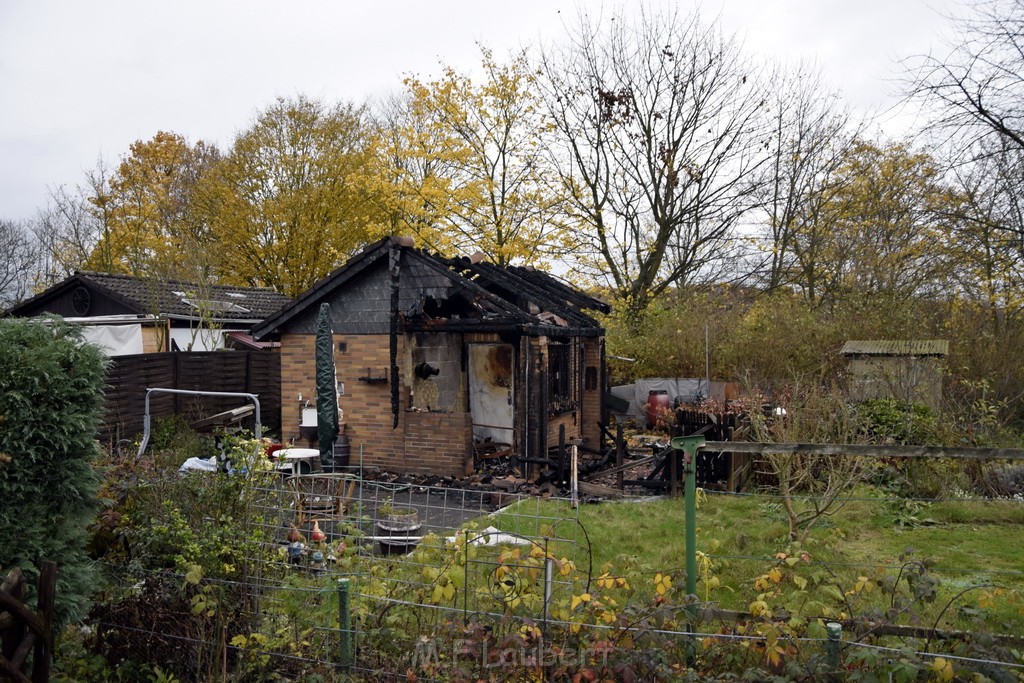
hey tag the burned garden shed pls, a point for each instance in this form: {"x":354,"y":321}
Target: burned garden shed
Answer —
{"x":441,"y":362}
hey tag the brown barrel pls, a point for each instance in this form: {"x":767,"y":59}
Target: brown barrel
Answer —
{"x":342,"y":451}
{"x":657,"y":404}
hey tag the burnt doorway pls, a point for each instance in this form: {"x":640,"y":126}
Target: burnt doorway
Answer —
{"x":491,"y":391}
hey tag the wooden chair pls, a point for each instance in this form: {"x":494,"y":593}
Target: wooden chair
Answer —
{"x":321,"y":493}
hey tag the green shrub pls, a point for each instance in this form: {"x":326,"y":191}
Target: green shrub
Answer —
{"x":184,"y":548}
{"x":175,"y":441}
{"x":889,"y":420}
{"x":50,"y":407}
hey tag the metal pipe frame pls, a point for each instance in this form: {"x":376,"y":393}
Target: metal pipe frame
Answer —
{"x":146,"y":422}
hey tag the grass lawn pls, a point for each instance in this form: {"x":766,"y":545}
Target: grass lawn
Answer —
{"x":964,"y":543}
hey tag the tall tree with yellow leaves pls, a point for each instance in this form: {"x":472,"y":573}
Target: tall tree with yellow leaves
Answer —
{"x":290,"y":200}
{"x":468,"y":169}
{"x":879,"y":228}
{"x":148,"y":208}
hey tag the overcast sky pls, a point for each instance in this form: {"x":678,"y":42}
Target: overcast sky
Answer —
{"x":80,"y":80}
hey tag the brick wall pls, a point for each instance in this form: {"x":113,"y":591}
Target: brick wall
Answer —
{"x":572,"y":429}
{"x":439,"y":443}
{"x":367,"y":406}
{"x":592,"y":397}
{"x":298,"y":376}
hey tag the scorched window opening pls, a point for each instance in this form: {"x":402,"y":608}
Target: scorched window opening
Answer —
{"x":561,"y":387}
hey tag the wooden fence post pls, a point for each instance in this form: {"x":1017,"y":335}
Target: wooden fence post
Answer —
{"x":619,"y":448}
{"x":44,"y":644}
{"x":22,"y":630}
{"x":12,"y":629}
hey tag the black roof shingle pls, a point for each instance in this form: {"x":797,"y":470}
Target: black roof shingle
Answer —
{"x":171,"y":298}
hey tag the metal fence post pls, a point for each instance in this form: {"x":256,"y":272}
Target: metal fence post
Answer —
{"x":690,"y":445}
{"x":834,"y":631}
{"x":549,"y":567}
{"x":345,"y":624}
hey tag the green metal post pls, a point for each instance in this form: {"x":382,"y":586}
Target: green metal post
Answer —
{"x":834,"y":631}
{"x":690,"y":445}
{"x":345,"y":624}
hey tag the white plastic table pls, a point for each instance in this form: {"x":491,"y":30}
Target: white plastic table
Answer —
{"x":291,"y":459}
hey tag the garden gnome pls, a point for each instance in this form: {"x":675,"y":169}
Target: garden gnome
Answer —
{"x":295,"y":546}
{"x":295,"y":552}
{"x":337,"y":552}
{"x":317,"y":563}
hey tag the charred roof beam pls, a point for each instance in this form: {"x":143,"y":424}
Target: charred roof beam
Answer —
{"x":538,"y":295}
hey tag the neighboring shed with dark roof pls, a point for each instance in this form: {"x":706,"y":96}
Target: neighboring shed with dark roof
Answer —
{"x":906,"y":369}
{"x":172,"y":315}
{"x":443,"y":361}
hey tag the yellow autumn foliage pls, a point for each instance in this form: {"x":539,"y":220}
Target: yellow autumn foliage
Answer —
{"x":466,"y":167}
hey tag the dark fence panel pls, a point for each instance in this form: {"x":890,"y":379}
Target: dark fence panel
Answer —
{"x":728,"y":471}
{"x":254,"y":372}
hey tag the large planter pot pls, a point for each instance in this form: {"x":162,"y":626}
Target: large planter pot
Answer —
{"x":398,"y":529}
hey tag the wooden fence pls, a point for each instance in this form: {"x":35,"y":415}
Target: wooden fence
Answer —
{"x":23,"y":631}
{"x":254,"y":372}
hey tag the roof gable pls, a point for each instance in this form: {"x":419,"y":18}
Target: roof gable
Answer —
{"x":170,"y":298}
{"x":432,"y":291}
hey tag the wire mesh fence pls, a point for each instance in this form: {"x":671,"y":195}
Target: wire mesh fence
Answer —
{"x":353,"y":577}
{"x":412,"y":558}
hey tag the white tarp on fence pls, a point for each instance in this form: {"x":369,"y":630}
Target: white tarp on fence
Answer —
{"x":115,"y":340}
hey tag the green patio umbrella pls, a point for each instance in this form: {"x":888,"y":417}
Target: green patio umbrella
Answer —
{"x":326,"y":387}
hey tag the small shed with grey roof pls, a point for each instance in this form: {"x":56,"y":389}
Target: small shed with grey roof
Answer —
{"x":909,"y":370}
{"x":444,"y":361}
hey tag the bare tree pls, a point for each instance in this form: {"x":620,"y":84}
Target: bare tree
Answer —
{"x":19,"y":256}
{"x":71,"y":226}
{"x":976,"y":90}
{"x":661,"y":131}
{"x":812,"y":487}
{"x":987,"y":251}
{"x":810,"y":136}
{"x":973,"y":96}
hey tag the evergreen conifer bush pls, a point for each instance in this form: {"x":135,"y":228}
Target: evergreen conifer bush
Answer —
{"x":51,"y":402}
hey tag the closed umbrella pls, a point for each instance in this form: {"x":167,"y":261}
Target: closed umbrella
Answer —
{"x":326,"y":387}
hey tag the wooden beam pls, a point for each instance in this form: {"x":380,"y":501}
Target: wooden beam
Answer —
{"x":865,"y":451}
{"x":864,"y":626}
{"x":620,"y":447}
{"x":625,"y":466}
{"x":43,"y":653}
{"x":20,"y":611}
{"x":588,"y":489}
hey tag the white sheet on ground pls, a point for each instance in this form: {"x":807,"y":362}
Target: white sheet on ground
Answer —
{"x":492,"y":536}
{"x":198,"y":465}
